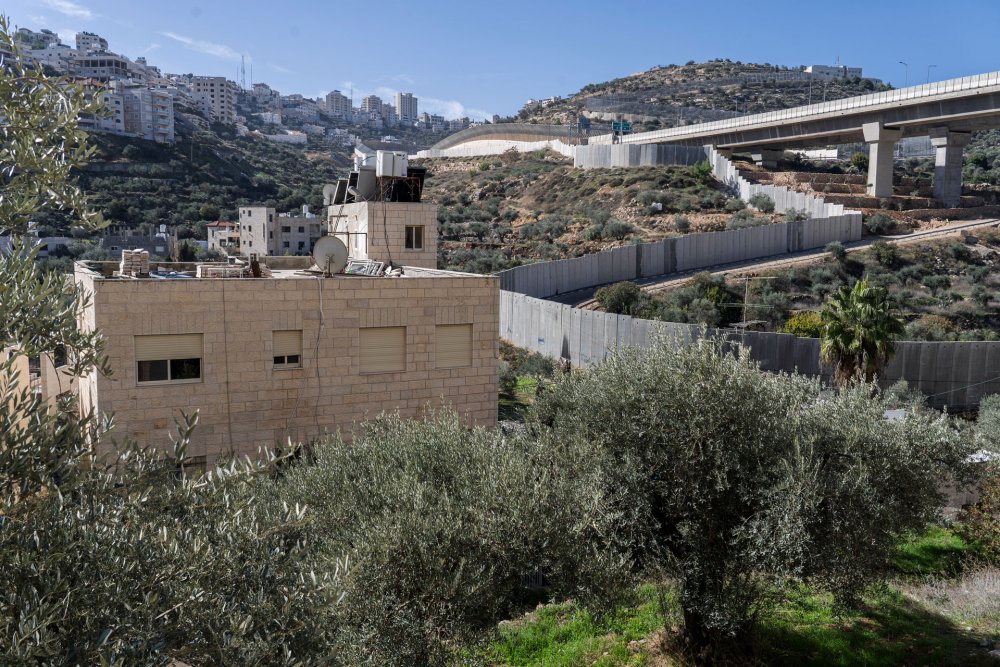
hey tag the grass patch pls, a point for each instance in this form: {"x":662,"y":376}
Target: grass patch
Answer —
{"x":937,"y":551}
{"x":890,"y":629}
{"x":562,"y":635}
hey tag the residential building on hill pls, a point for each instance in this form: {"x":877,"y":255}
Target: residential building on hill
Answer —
{"x":286,"y":358}
{"x":223,"y":236}
{"x":371,"y":104}
{"x":406,"y":108}
{"x":215,"y":97}
{"x":87,"y":42}
{"x":262,"y":231}
{"x":338,"y":104}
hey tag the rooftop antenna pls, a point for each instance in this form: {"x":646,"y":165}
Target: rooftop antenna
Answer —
{"x":243,"y":72}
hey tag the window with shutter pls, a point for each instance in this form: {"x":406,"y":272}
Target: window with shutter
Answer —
{"x":286,"y":346}
{"x":168,"y":358}
{"x":383,"y":349}
{"x":453,"y":345}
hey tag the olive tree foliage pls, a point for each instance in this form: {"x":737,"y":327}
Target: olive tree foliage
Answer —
{"x":444,"y":523}
{"x":40,"y":142}
{"x":124,"y":558}
{"x":737,"y":479}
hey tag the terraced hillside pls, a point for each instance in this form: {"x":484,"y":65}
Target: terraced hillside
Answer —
{"x":502,"y":211}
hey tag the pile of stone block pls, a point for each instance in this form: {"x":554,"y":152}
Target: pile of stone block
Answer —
{"x":134,"y":263}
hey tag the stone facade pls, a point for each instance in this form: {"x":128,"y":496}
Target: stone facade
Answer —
{"x":244,"y":401}
{"x":263,"y":231}
{"x":377,"y":230}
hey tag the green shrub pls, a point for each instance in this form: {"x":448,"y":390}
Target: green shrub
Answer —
{"x":618,"y":229}
{"x":735,"y":204}
{"x":804,"y":324}
{"x":977,"y":274}
{"x":681,"y":224}
{"x":797,"y":215}
{"x":837,"y":250}
{"x":701,"y":171}
{"x":981,"y":295}
{"x":880,"y":224}
{"x":508,"y":379}
{"x":743,"y":219}
{"x":886,"y":254}
{"x":859,"y":161}
{"x":960,"y":252}
{"x":621,"y":298}
{"x":762,"y":203}
{"x":931,"y":327}
{"x":593,"y":233}
{"x":936,"y":283}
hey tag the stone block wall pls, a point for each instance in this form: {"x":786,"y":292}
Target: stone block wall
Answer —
{"x":244,"y":403}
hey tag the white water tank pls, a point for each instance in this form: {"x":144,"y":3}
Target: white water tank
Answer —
{"x":390,"y":163}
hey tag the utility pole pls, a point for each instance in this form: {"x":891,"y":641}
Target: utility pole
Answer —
{"x":929,"y":73}
{"x":906,"y":80}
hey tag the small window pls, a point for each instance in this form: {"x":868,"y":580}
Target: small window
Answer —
{"x":286,"y":346}
{"x":414,"y":237}
{"x":383,"y":349}
{"x":168,"y":358}
{"x":452,"y":345}
{"x":285,"y":244}
{"x":286,"y":229}
{"x":302,"y":230}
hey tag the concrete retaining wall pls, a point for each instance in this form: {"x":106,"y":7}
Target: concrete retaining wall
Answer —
{"x":953,"y":375}
{"x":496,"y":147}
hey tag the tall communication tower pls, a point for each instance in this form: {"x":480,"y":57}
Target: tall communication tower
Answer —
{"x":243,"y":72}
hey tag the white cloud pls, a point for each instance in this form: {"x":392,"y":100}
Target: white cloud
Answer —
{"x":204,"y":46}
{"x":67,"y":36}
{"x":152,"y":47}
{"x":38,"y":18}
{"x":69,"y":8}
{"x":279,"y":68}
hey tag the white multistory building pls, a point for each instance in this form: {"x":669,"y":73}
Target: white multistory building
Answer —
{"x":406,"y":108}
{"x":834,"y":71}
{"x":87,"y":42}
{"x":55,"y":55}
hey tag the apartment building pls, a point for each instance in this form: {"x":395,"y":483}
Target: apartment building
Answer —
{"x":149,"y":113}
{"x":100,"y":65}
{"x":262,"y":231}
{"x":57,"y":56}
{"x":215,"y":97}
{"x":338,"y":104}
{"x":289,"y":357}
{"x":834,"y":71}
{"x":371,"y":104}
{"x":223,"y":236}
{"x":87,"y":42}
{"x":406,"y":108}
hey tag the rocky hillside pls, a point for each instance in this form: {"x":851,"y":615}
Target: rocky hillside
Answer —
{"x":501,"y":211}
{"x":696,"y":92}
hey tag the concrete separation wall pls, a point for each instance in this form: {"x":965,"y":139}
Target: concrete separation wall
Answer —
{"x":645,"y":155}
{"x":684,"y":253}
{"x":953,"y":375}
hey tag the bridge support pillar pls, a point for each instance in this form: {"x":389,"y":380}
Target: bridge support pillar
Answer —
{"x":766,"y":158}
{"x":881,"y":142}
{"x":948,"y":149}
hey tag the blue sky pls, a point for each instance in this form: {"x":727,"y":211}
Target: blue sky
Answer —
{"x":481,"y":58}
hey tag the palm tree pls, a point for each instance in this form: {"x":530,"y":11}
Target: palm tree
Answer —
{"x":860,"y":327}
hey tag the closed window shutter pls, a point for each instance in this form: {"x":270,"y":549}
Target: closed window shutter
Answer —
{"x":168,"y":346}
{"x":287,"y":343}
{"x":383,"y":349}
{"x":453,"y":345}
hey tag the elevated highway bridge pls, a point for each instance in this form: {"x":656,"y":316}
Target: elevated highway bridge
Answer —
{"x":946,"y":111}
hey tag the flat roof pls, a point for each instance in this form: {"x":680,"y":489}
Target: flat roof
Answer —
{"x":284,"y":268}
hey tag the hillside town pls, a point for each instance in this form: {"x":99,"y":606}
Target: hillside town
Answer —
{"x":143,"y":102}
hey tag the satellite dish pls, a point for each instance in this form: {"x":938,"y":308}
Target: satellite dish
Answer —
{"x":329,"y":191}
{"x":330,"y":255}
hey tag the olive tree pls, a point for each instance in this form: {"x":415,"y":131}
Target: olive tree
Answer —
{"x":736,"y":479}
{"x":442,"y":524}
{"x":127,"y":558}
